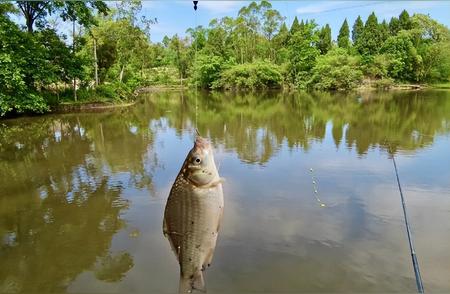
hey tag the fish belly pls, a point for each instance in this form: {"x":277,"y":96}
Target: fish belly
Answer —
{"x":191,"y":222}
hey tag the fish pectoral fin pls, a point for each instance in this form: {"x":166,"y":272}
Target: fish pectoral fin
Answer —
{"x":191,"y":166}
{"x":208,"y":258}
{"x":213,"y":184}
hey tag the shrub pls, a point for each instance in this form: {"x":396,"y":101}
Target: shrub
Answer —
{"x":115,"y":91}
{"x":260,"y":74}
{"x":337,"y":70}
{"x":207,"y":70}
{"x":385,"y":83}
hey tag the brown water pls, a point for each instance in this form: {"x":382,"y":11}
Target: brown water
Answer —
{"x":82,"y":195}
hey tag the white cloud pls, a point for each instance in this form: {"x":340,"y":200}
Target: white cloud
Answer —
{"x":395,"y":8}
{"x":318,"y":8}
{"x":329,"y":6}
{"x":384,"y":8}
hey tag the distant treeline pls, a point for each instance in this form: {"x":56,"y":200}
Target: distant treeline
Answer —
{"x":258,"y":49}
{"x":109,"y":53}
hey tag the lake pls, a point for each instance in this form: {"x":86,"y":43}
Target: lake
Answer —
{"x":83,"y":194}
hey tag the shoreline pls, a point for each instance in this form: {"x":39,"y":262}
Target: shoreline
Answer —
{"x":88,"y":106}
{"x":76,"y":107}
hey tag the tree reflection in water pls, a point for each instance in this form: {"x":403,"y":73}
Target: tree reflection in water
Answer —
{"x":61,"y":202}
{"x":255,"y":125}
{"x":64,"y":178}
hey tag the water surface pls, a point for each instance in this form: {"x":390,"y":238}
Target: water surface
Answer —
{"x":82,"y":195}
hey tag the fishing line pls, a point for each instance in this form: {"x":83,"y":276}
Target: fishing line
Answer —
{"x":195,"y":64}
{"x":316,"y":192}
{"x":415,"y":262}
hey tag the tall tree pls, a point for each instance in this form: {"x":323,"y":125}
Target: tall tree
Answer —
{"x":280,"y":42}
{"x":178,"y":47}
{"x":384,"y":31}
{"x":324,"y":42}
{"x":7,"y":8}
{"x":370,"y":40}
{"x":271,"y":23}
{"x":81,"y":11}
{"x":343,"y":38}
{"x":394,"y":26}
{"x":404,"y":20}
{"x":357,"y":31}
{"x":295,"y":27}
{"x":302,"y":54}
{"x":282,"y":37}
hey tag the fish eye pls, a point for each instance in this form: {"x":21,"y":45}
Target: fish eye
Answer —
{"x":197,"y":160}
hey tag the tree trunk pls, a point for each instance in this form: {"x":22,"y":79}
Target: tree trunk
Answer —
{"x":30,"y":21}
{"x":73,"y":50}
{"x":95,"y":61}
{"x":121,"y":73}
{"x":27,"y":11}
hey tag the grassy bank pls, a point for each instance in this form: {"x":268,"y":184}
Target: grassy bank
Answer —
{"x":441,"y":85}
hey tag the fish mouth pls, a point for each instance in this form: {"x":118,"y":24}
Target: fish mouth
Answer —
{"x":201,"y":143}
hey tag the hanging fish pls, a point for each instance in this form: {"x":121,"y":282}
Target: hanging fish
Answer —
{"x":193,"y":214}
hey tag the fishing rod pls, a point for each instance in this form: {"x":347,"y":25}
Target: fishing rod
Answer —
{"x":408,"y":231}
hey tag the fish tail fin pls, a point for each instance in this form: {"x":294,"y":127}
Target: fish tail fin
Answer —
{"x":195,"y":282}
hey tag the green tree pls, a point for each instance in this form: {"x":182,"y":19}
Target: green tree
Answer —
{"x":357,"y":31}
{"x":302,"y":54}
{"x":343,"y":38}
{"x":80,"y":11}
{"x":336,"y":70}
{"x":394,"y":26}
{"x":324,"y":42}
{"x":180,"y":56}
{"x":280,"y":44}
{"x":405,"y":64}
{"x":7,"y":8}
{"x":206,"y":70}
{"x":370,"y":40}
{"x":21,"y":64}
{"x":432,"y":41}
{"x":259,"y":74}
{"x":282,"y":38}
{"x":295,"y":27}
{"x":272,"y":20}
{"x":218,"y":38}
{"x":404,"y":21}
{"x":271,"y":24}
{"x":384,"y":31}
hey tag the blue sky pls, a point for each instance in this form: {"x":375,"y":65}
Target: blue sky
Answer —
{"x":174,"y":17}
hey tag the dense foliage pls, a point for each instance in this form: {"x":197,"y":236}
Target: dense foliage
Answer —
{"x":407,"y":49}
{"x":109,"y":54}
{"x":259,"y":74}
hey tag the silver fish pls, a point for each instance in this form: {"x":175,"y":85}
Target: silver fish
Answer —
{"x":193,"y":215}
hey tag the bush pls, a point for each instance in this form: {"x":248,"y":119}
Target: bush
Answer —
{"x":115,"y":91}
{"x":337,"y":70}
{"x":260,"y":74}
{"x":405,"y":64}
{"x":207,"y":70}
{"x":163,"y":76}
{"x":376,"y":67}
{"x":384,"y":84}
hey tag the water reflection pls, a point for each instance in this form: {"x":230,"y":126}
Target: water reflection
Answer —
{"x":256,"y":125}
{"x":61,"y":199}
{"x":82,"y":195}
